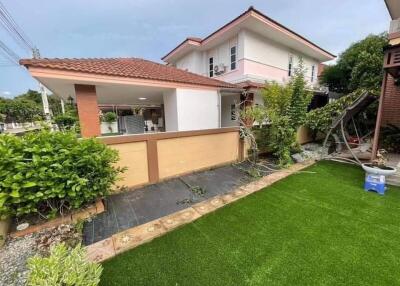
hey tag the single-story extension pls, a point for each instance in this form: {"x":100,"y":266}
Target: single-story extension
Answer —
{"x":147,"y":96}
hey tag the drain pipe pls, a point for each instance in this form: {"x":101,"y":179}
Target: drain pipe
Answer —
{"x":219,"y":109}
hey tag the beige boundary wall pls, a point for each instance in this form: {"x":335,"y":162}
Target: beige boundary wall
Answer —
{"x":151,"y":158}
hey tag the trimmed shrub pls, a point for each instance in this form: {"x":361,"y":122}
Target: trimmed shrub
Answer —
{"x":65,"y":121}
{"x":109,"y":117}
{"x":63,"y":267}
{"x":50,"y":172}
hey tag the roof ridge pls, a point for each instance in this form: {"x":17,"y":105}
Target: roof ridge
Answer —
{"x":127,"y":67}
{"x":249,"y":10}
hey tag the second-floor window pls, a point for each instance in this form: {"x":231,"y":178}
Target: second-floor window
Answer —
{"x":211,"y":66}
{"x":233,"y":58}
{"x":233,"y":112}
{"x":290,"y":66}
{"x":312,"y":73}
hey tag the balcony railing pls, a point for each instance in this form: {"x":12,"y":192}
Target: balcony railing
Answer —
{"x":392,"y":61}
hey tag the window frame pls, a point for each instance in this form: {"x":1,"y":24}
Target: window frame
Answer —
{"x":234,"y":115}
{"x":211,"y":66}
{"x":312,"y":73}
{"x":233,"y":62}
{"x":290,"y":65}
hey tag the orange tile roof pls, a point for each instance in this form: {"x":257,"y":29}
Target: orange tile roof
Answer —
{"x":250,"y":84}
{"x":127,"y":67}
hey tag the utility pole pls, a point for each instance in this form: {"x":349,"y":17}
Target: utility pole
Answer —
{"x":45,"y":101}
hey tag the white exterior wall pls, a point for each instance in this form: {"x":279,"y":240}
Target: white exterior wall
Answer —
{"x":265,"y":52}
{"x":257,"y":59}
{"x":194,"y":62}
{"x":170,"y":110}
{"x":226,"y":102}
{"x":197,"y":109}
{"x":222,"y":53}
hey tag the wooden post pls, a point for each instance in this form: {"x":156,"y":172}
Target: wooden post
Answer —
{"x":152,"y":161}
{"x":379,"y":116}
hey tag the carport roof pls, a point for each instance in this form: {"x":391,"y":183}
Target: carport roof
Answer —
{"x":126,"y":67}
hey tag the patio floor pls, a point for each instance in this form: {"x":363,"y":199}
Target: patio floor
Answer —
{"x":136,"y":207}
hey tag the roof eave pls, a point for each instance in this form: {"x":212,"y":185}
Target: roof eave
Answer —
{"x":250,"y":12}
{"x":42,"y":71}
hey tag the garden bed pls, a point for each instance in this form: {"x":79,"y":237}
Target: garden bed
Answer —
{"x":73,"y":217}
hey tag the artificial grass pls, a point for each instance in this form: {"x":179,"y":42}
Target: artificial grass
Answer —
{"x":317,"y":228}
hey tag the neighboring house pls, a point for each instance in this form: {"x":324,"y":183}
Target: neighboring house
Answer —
{"x":199,"y":88}
{"x":248,"y":51}
{"x":389,"y":103}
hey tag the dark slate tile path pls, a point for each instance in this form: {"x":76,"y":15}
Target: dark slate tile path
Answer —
{"x":129,"y":209}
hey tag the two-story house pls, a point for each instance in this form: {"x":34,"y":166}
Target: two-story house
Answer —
{"x":198,"y":88}
{"x":248,"y":51}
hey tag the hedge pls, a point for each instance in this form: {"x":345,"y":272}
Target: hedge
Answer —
{"x":50,"y":172}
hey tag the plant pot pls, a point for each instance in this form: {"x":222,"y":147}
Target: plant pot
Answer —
{"x":109,"y":127}
{"x":375,"y":170}
{"x":4,"y":227}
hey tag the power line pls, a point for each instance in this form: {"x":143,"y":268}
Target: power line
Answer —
{"x":14,"y":30}
{"x":8,"y":53}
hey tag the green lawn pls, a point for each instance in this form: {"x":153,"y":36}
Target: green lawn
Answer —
{"x":308,"y":229}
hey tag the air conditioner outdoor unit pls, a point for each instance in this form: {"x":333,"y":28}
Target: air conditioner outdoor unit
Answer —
{"x":219,"y":69}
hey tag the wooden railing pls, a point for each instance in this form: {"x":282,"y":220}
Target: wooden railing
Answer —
{"x":392,"y":61}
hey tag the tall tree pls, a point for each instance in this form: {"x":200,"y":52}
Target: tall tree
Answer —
{"x":358,"y":67}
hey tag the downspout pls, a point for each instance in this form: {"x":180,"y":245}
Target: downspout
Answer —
{"x":219,"y":109}
{"x":379,"y":116}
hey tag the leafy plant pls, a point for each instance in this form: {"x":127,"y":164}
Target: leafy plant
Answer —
{"x":109,"y":117}
{"x":358,"y":67}
{"x":67,"y":267}
{"x":262,"y":136}
{"x":66,"y":121}
{"x":285,"y":108}
{"x":20,"y":110}
{"x":320,"y":119}
{"x":49,"y":172}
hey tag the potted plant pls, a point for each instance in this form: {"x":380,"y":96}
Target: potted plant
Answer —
{"x":109,"y":123}
{"x":376,"y":173}
{"x":378,"y":165}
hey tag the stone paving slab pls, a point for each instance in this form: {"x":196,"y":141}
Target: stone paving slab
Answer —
{"x":101,"y":250}
{"x":133,"y":208}
{"x":135,"y":236}
{"x":218,"y":181}
{"x":144,"y":233}
{"x":180,"y":218}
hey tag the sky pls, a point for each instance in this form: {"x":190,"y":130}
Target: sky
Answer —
{"x":151,"y":28}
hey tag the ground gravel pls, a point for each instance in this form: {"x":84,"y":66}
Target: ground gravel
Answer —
{"x":13,"y":257}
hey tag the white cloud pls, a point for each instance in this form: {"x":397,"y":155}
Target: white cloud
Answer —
{"x":6,"y":93}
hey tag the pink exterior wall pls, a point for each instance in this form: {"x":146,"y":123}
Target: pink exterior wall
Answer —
{"x":265,"y":71}
{"x":251,"y":70}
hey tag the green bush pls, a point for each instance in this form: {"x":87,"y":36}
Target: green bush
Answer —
{"x":49,"y":172}
{"x":63,"y":267}
{"x":65,"y":121}
{"x":263,"y":138}
{"x":109,"y":117}
{"x":285,"y":108}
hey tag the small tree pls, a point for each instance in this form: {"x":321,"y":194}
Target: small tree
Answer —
{"x":300,"y":97}
{"x":285,"y":108}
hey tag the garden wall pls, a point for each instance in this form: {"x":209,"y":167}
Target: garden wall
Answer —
{"x":150,"y":158}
